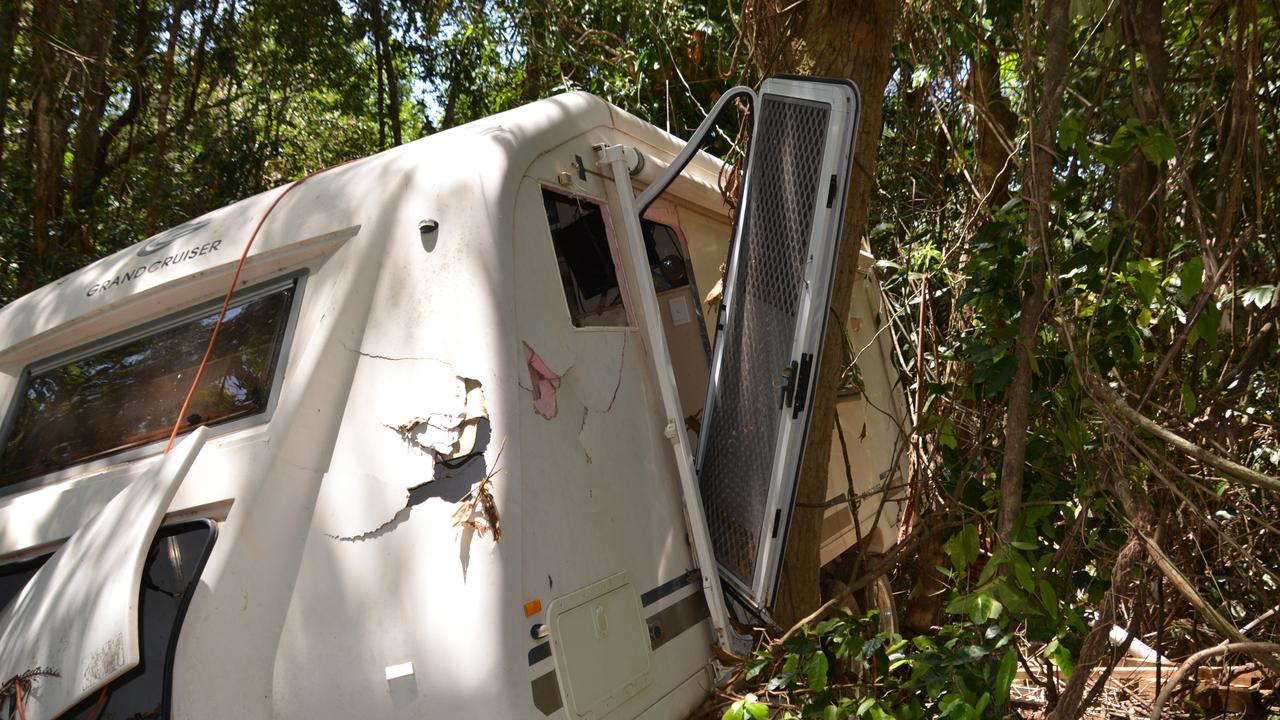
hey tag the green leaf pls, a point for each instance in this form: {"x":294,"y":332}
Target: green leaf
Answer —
{"x":816,"y":671}
{"x":1144,"y":284}
{"x":997,"y":377}
{"x":1068,"y":131}
{"x":1259,"y":296}
{"x":1191,"y":278}
{"x":1004,"y":675}
{"x":1022,"y":573}
{"x":825,"y":626}
{"x":962,"y":547}
{"x":1157,"y":146}
{"x":1013,"y":598}
{"x":1049,"y":597}
{"x":1206,"y":327}
{"x":756,"y":710}
{"x":1061,"y":657}
{"x":878,"y":713}
{"x":1188,"y":400}
{"x":947,"y":434}
{"x":984,"y":702}
{"x":969,"y":534}
{"x":951,"y":704}
{"x":746,"y":709}
{"x":985,"y":608}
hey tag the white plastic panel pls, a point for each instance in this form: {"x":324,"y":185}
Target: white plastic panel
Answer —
{"x":78,"y":616}
{"x":772,"y":323}
{"x":601,"y":646}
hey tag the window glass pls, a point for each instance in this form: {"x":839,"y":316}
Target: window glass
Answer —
{"x":586,"y":261}
{"x":129,"y":393}
{"x":169,"y":577}
{"x":666,"y":262}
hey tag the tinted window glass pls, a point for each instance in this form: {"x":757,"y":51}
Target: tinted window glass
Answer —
{"x":130,"y":393}
{"x":173,"y":566}
{"x":585,"y":259}
{"x":666,"y":261}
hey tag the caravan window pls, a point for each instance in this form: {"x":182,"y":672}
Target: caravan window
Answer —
{"x":110,"y":398}
{"x":588,"y":261}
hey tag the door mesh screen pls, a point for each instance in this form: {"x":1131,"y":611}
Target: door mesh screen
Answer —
{"x":738,"y":452}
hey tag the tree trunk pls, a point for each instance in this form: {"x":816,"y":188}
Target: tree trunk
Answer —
{"x":995,"y":126}
{"x":163,"y":100}
{"x":103,"y":164}
{"x":1136,"y":196}
{"x":531,"y":87}
{"x":95,"y":36}
{"x":387,"y":69}
{"x":382,"y":93}
{"x":47,"y":142}
{"x":10,"y":19}
{"x":1039,"y":180}
{"x":831,"y":38}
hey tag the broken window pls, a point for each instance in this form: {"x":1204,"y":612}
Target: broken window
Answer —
{"x":108,"y":399}
{"x":169,"y":577}
{"x":666,"y":261}
{"x":587,"y":260}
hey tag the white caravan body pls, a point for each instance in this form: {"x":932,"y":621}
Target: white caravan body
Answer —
{"x":427,"y":352}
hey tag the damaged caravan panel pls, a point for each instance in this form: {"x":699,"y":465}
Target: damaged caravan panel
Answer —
{"x":450,"y":439}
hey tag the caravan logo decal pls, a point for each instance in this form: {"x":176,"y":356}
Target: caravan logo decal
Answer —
{"x":167,"y":238}
{"x":158,"y":264}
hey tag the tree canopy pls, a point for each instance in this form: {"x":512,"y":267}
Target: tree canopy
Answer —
{"x":1074,"y":211}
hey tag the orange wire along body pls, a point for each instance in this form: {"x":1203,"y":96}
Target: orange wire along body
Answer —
{"x":226,"y":301}
{"x":195,"y":383}
{"x":22,"y":712}
{"x":222,"y":314}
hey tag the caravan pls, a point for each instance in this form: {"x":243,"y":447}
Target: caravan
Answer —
{"x":469,"y":443}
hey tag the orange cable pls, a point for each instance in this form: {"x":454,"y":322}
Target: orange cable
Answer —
{"x":102,"y":697}
{"x":195,"y":383}
{"x":22,"y":712}
{"x":226,"y":303}
{"x":17,"y":698}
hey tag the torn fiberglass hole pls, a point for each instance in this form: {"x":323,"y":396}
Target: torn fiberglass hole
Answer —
{"x":451,"y":438}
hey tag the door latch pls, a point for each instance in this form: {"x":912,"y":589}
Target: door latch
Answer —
{"x":788,"y":385}
{"x":802,"y":384}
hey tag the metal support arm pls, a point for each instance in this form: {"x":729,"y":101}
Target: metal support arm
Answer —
{"x":647,"y":296}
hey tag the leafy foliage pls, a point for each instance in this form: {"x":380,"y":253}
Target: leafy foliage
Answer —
{"x":845,"y":667}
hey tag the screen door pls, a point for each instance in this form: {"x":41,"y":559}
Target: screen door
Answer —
{"x":771,"y":324}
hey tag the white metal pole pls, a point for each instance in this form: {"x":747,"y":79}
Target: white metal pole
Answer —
{"x":642,"y":280}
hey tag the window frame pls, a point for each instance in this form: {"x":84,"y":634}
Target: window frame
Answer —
{"x":606,"y":216}
{"x":296,"y":280}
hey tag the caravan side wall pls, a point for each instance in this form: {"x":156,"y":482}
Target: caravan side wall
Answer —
{"x":345,"y":581}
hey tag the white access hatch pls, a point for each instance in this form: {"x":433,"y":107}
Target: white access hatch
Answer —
{"x":601,"y":646}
